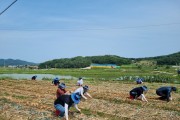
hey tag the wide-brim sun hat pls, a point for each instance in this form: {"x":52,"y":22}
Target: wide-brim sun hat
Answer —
{"x":86,"y":87}
{"x":75,"y":97}
{"x":174,"y":88}
{"x":144,"y":88}
{"x":62,"y":85}
{"x":56,"y":79}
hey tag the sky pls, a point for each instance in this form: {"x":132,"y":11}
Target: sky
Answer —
{"x":42,"y":30}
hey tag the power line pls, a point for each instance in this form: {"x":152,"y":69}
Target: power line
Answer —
{"x":86,"y":29}
{"x":8,"y":7}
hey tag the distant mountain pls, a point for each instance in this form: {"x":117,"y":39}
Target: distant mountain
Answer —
{"x":7,"y":62}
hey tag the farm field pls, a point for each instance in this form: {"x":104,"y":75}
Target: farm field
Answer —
{"x":33,"y":100}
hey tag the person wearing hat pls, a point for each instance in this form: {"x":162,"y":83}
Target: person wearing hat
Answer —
{"x":165,"y":92}
{"x":137,"y":93}
{"x":139,"y":81}
{"x":80,"y":82}
{"x":64,"y":102}
{"x":55,"y":81}
{"x":83,"y":91}
{"x":34,"y":77}
{"x":61,"y":90}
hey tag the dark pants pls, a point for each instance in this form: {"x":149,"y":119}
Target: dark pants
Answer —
{"x":162,"y":96}
{"x":160,"y":93}
{"x":134,"y":95}
{"x":60,"y":108}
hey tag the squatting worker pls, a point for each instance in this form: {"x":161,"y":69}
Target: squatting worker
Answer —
{"x":64,"y":102}
{"x":55,"y":81}
{"x":83,"y":91}
{"x":34,"y":77}
{"x":80,"y":82}
{"x":137,"y":93}
{"x":61,"y":90}
{"x":165,"y":92}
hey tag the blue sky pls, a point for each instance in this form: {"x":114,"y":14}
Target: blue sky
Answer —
{"x":41,"y":30}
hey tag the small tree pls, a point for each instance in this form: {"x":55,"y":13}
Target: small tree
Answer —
{"x":140,"y":67}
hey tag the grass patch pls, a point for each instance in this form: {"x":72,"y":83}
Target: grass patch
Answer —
{"x":6,"y":94}
{"x":5,"y":78}
{"x":87,"y":112}
{"x":101,"y":114}
{"x":46,"y":78}
{"x":118,"y":101}
{"x":4,"y":100}
{"x":20,"y":97}
{"x":2,"y":117}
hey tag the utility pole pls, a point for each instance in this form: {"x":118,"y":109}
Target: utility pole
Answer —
{"x":4,"y":63}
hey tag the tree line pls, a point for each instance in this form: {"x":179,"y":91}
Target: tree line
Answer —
{"x":81,"y":62}
{"x":172,"y":59}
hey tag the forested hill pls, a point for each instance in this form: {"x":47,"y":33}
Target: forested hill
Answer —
{"x":80,"y":62}
{"x":171,"y":59}
{"x":7,"y":62}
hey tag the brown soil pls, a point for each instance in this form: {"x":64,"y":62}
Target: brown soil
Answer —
{"x":33,"y":100}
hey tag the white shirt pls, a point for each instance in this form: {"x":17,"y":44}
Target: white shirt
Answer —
{"x":80,"y":90}
{"x":80,"y":82}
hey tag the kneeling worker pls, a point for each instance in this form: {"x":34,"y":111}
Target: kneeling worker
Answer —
{"x":165,"y":92}
{"x":137,"y":93}
{"x":64,"y":102}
